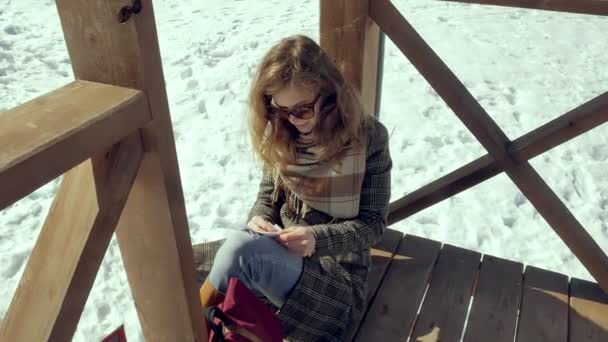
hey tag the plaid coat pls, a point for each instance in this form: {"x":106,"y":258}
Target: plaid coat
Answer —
{"x":331,"y":293}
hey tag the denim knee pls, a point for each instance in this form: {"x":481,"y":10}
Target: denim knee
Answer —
{"x":232,"y":258}
{"x":260,"y":262}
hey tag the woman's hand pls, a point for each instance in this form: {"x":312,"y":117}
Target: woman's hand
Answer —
{"x":298,"y":240}
{"x":260,"y":224}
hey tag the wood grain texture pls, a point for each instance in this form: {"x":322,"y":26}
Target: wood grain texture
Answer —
{"x":554,"y":133}
{"x":588,"y":312}
{"x":43,"y":138}
{"x":61,"y":270}
{"x":543,"y":314}
{"x":492,"y":138}
{"x":445,"y":305}
{"x":148,"y":248}
{"x":103,"y":50}
{"x":394,"y":309}
{"x":496,"y":301}
{"x":382,"y":254}
{"x":352,"y":40}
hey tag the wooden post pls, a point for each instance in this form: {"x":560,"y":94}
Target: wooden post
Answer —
{"x":353,"y":42}
{"x":153,"y":231}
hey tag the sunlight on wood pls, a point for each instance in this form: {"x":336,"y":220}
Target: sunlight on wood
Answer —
{"x":594,"y":311}
{"x":433,"y":336}
{"x":562,"y":297}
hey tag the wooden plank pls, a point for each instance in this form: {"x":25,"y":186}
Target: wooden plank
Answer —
{"x":43,"y":138}
{"x":392,"y":313}
{"x":444,"y":310}
{"x":493,"y":139}
{"x":103,"y":50}
{"x":543,"y":314}
{"x":61,"y":270}
{"x":496,"y":301}
{"x":352,"y":40}
{"x":595,"y":7}
{"x":588,"y":312}
{"x":382,"y":254}
{"x":568,"y":126}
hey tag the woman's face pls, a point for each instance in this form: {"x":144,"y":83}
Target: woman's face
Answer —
{"x":294,"y":96}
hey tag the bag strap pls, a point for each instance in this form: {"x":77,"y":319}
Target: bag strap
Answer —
{"x":212,"y":312}
{"x":218,"y":331}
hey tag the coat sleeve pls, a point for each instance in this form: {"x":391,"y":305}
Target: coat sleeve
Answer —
{"x":367,"y":227}
{"x":263,"y":205}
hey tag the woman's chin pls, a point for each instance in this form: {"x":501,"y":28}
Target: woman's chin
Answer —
{"x":305,"y":131}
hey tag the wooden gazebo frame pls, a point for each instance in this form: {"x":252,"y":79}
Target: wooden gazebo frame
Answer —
{"x":110,"y":133}
{"x":419,"y":289}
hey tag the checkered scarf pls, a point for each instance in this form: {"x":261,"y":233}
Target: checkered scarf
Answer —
{"x":332,"y":189}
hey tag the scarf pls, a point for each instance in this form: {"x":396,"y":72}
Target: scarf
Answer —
{"x":332,"y":188}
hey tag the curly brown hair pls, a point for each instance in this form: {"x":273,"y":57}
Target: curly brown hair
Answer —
{"x":300,"y":60}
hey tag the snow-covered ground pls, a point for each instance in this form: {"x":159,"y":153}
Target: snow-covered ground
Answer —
{"x":526,"y":67}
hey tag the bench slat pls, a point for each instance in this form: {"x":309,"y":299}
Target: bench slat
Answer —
{"x":394,"y":309}
{"x":496,"y":300}
{"x":445,"y":306}
{"x":588,"y":312}
{"x":382,"y":253}
{"x":544,"y":308}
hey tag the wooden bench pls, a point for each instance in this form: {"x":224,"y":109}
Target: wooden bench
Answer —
{"x":422,"y":290}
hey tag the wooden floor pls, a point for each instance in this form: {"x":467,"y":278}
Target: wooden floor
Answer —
{"x":421,"y":289}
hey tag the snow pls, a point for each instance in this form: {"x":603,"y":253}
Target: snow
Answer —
{"x":525,"y":67}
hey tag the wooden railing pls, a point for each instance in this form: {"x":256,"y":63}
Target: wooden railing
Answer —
{"x":597,"y":7}
{"x":349,"y":30}
{"x":109,"y":133}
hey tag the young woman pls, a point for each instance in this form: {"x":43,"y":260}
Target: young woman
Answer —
{"x":326,"y":182}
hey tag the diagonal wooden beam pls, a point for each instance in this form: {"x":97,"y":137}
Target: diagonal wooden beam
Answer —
{"x":596,"y":7}
{"x":61,"y":271}
{"x":566,"y":127}
{"x":43,"y":138}
{"x":491,"y":137}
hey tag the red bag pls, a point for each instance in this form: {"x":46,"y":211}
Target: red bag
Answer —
{"x":242,"y":317}
{"x":117,"y":335}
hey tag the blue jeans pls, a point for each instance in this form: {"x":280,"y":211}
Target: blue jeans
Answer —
{"x":261,"y":263}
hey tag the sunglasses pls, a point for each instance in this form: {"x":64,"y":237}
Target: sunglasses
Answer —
{"x":303,"y":111}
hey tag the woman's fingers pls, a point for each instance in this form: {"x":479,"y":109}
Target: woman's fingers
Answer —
{"x":259,"y":223}
{"x":298,"y":247}
{"x":267,"y":226}
{"x":252,"y":226}
{"x":291,"y":234}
